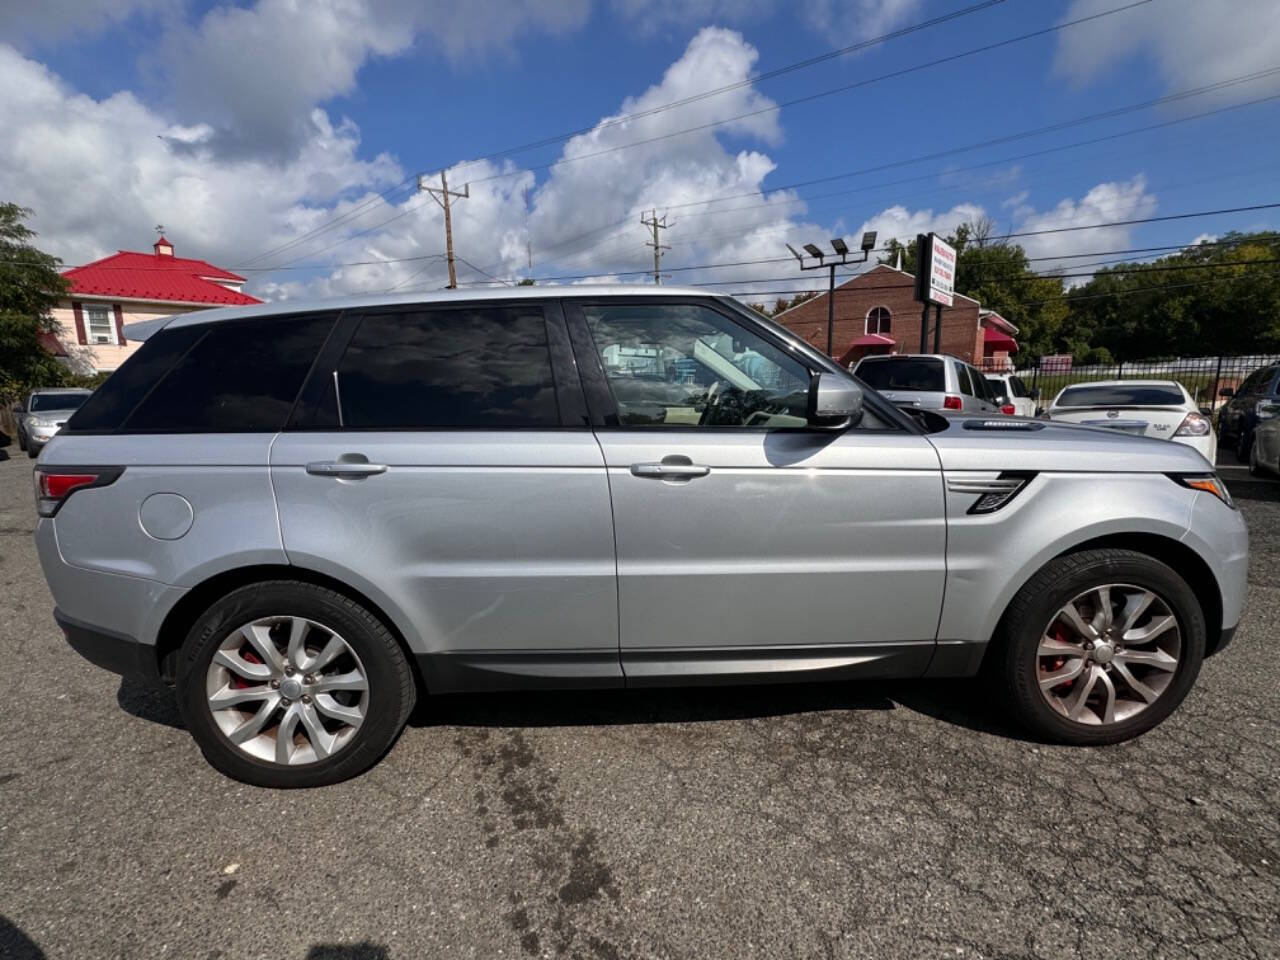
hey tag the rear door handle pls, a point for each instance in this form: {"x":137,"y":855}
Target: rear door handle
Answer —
{"x":670,"y":471}
{"x":348,"y":469}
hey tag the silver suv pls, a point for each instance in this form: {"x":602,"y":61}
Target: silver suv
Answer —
{"x":932,"y":381}
{"x":304,"y":517}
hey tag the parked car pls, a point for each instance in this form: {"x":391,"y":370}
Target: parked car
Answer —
{"x":1020,"y":400}
{"x":1238,"y":417}
{"x":304,"y":516}
{"x":43,"y":413}
{"x":1153,"y":408}
{"x":1264,"y":452}
{"x":931,"y":381}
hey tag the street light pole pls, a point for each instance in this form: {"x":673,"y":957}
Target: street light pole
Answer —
{"x":823,"y":260}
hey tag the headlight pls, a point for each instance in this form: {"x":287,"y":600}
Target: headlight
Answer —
{"x":1193,"y":425}
{"x":1207,"y":482}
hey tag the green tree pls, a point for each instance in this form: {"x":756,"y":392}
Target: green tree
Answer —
{"x":1206,"y":299}
{"x":30,"y":286}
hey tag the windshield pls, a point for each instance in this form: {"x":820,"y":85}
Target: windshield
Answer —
{"x":45,"y":402}
{"x":1118,"y":395}
{"x":902,"y":373}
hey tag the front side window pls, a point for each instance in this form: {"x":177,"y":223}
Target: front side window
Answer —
{"x":99,"y":325}
{"x":879,"y":320}
{"x":687,"y":365}
{"x":1019,"y":388}
{"x":474,"y":367}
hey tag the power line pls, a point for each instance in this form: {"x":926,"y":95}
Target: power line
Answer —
{"x":832,"y":92}
{"x":923,"y":66}
{"x":990,"y":163}
{"x":737,"y":85}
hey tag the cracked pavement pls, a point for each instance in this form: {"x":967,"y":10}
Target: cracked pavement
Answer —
{"x":837,"y":820}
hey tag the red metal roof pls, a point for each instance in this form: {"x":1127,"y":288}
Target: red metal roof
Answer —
{"x":148,"y":276}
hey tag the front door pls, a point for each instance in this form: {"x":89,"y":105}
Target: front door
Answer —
{"x":437,"y":468}
{"x":747,"y":542}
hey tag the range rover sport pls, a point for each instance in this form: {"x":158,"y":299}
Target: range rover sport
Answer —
{"x":303,"y":517}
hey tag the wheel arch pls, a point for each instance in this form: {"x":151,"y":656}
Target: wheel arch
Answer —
{"x":180,"y":618}
{"x":1178,"y":556}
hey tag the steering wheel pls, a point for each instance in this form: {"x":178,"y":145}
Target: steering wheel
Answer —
{"x":711,"y":401}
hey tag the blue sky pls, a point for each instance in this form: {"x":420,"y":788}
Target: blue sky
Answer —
{"x":244,"y":128}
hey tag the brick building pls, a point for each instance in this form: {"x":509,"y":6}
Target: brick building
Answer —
{"x":876,"y":313}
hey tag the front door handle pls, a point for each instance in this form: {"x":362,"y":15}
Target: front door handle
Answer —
{"x":670,"y":471}
{"x":345,"y":469}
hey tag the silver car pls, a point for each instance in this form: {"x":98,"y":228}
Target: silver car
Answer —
{"x":303,"y":517}
{"x":43,"y":414}
{"x":931,"y":381}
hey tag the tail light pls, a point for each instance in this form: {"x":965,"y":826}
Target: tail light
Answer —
{"x":1007,"y":409}
{"x":1193,"y":425}
{"x":952,"y":403}
{"x":54,"y":484}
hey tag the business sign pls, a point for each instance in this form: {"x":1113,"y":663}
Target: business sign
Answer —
{"x":937,"y":271}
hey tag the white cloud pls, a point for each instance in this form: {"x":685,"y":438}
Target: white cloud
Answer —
{"x":1190,"y":42}
{"x":50,"y":20}
{"x":839,"y":22}
{"x":853,"y":21}
{"x":255,"y":72}
{"x":1104,"y":203}
{"x":101,"y":173}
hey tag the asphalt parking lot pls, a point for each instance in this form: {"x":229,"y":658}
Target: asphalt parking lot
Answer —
{"x":848,"y":820}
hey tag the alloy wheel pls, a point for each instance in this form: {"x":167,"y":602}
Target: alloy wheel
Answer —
{"x":1108,"y":654}
{"x":287,"y":690}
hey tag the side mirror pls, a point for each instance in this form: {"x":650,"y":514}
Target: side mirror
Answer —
{"x":834,"y":402}
{"x":1034,"y":394}
{"x":1226,"y":392}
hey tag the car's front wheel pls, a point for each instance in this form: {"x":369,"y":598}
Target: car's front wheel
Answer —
{"x":1100,"y":646}
{"x":289,"y":684}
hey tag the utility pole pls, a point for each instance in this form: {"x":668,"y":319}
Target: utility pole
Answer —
{"x":655,"y":224}
{"x":441,"y":195}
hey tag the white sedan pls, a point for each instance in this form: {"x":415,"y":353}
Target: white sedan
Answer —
{"x":1150,"y":408}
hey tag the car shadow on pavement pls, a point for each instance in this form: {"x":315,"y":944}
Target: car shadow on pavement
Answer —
{"x":348,"y":951}
{"x":150,"y":701}
{"x":960,"y":703}
{"x":15,"y":944}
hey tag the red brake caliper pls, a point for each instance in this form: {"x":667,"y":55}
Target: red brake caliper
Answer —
{"x":238,"y":682}
{"x":1060,"y":633}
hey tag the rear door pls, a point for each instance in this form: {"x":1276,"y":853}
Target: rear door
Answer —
{"x":441,"y":462}
{"x":747,"y":542}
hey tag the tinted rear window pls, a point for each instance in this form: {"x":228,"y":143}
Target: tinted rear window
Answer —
{"x":481,"y":367}
{"x":120,"y":392}
{"x":43,"y":402}
{"x":239,"y":376}
{"x":906,"y":373}
{"x":1121,"y":396}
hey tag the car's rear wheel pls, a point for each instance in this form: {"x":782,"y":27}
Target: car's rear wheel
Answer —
{"x":288,"y":684}
{"x":1100,"y":646}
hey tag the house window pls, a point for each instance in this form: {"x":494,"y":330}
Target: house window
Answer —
{"x":879,"y":320}
{"x":101,"y":325}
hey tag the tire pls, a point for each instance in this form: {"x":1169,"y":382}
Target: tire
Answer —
{"x":22,"y":442}
{"x":370,"y":650}
{"x":32,"y":452}
{"x":1255,"y":468}
{"x":1019,"y":665}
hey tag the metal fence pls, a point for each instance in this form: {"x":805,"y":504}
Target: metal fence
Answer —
{"x":1204,"y":377}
